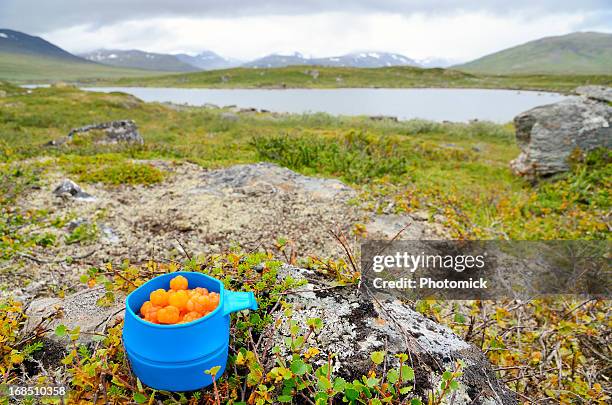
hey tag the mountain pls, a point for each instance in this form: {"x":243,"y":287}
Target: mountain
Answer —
{"x":208,"y":60}
{"x":360,"y":59}
{"x":25,"y":57}
{"x":15,"y":42}
{"x":577,"y":53}
{"x":436,"y":62}
{"x":136,"y":59}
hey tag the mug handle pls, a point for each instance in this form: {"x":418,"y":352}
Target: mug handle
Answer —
{"x":234,"y":301}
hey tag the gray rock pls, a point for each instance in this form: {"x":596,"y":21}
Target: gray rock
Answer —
{"x":80,"y":309}
{"x":109,"y":235}
{"x":268,"y":178}
{"x":68,"y":188}
{"x":116,"y":132}
{"x":123,"y":131}
{"x":600,"y":93}
{"x":410,"y":226}
{"x":355,"y":325}
{"x":547,"y":135}
{"x":314,"y":73}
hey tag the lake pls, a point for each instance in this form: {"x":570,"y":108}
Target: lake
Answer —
{"x":430,"y":104}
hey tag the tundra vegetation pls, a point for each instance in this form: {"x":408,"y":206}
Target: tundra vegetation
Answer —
{"x":340,"y":77}
{"x":546,"y":350}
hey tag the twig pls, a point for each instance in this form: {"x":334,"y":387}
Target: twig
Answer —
{"x":183,"y":248}
{"x":50,"y":261}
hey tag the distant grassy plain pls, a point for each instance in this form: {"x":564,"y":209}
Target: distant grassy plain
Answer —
{"x":23,"y":68}
{"x":339,"y":77}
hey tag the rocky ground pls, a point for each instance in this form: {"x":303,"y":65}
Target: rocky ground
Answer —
{"x":197,"y":211}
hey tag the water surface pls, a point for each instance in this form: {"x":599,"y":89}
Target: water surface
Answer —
{"x":430,"y":104}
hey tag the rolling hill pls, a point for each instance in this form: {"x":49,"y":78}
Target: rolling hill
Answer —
{"x":25,"y":57}
{"x":136,"y":59}
{"x":576,"y":53}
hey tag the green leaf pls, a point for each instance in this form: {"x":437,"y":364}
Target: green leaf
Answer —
{"x":454,"y":385}
{"x":339,"y":384}
{"x":213,"y":371}
{"x":415,"y":401}
{"x":323,"y":383}
{"x":321,"y":398}
{"x":405,"y":390}
{"x":60,"y":330}
{"x":315,"y":323}
{"x":407,"y":373}
{"x":298,"y":367}
{"x":393,"y":376}
{"x":447,"y":375}
{"x":378,"y":357}
{"x":139,"y":398}
{"x":351,"y":394}
{"x":372,"y":382}
{"x":459,"y":318}
{"x":284,"y":398}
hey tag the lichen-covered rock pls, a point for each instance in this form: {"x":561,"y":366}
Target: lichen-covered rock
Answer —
{"x":412,"y":226}
{"x":68,"y":188}
{"x":78,"y":310}
{"x":268,"y":178}
{"x":355,"y":325}
{"x":547,"y":135}
{"x":114,"y":132}
{"x":600,"y":93}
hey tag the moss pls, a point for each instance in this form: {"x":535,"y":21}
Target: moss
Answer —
{"x":113,"y":169}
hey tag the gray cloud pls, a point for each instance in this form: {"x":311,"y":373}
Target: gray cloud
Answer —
{"x":39,"y":17}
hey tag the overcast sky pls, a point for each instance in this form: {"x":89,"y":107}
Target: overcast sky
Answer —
{"x":452,"y":29}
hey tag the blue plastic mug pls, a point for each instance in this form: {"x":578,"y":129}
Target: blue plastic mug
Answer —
{"x":175,"y":357}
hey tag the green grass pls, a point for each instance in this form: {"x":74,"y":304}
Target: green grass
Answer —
{"x":112,"y":169}
{"x":30,"y":68}
{"x":338,"y":77}
{"x":457,"y":170}
{"x":581,"y":52}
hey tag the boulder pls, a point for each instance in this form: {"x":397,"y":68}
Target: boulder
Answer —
{"x":68,"y":188}
{"x":268,"y":178}
{"x":78,"y":310}
{"x":410,"y":227}
{"x":115,"y":132}
{"x":356,"y":324}
{"x":549,"y":134}
{"x":600,"y":93}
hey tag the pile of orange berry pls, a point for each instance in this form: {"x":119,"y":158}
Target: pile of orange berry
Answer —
{"x":179,"y":304}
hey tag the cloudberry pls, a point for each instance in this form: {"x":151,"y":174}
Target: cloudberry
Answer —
{"x":159,"y":297}
{"x":179,"y":283}
{"x":168,"y":315}
{"x":178,"y":299}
